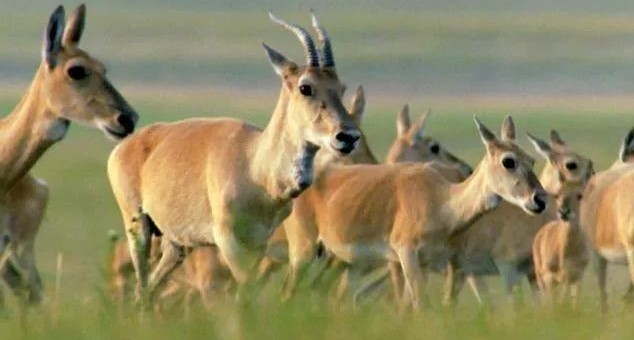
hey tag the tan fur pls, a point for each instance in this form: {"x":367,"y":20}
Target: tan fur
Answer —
{"x":373,"y":214}
{"x":560,"y":253}
{"x":41,"y":119}
{"x":223,"y":181}
{"x":300,"y":228}
{"x":501,"y":241}
{"x":607,"y":216}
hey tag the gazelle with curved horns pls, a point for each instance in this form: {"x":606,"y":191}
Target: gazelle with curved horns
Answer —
{"x":226,"y":182}
{"x":69,"y":86}
{"x":400,"y":213}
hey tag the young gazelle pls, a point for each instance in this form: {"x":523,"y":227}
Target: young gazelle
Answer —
{"x":230,"y":183}
{"x":560,"y":253}
{"x":606,"y":217}
{"x":501,"y":241}
{"x":402,"y":213}
{"x":69,"y":86}
{"x":300,"y":230}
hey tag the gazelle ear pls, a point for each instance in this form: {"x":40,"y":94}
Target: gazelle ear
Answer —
{"x":357,"y":106}
{"x":403,"y":121}
{"x":280,"y":64}
{"x":419,"y":126}
{"x":52,"y":43}
{"x":627,"y":147}
{"x":540,"y":146}
{"x":508,"y":129}
{"x":75,"y":26}
{"x":486,"y":135}
{"x":555,"y":140}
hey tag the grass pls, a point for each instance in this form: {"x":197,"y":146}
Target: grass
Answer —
{"x":557,"y":64}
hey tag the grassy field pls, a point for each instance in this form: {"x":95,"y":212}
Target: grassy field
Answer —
{"x":567,"y":65}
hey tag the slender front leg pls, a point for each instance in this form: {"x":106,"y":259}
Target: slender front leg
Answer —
{"x":398,"y":284}
{"x":454,"y":281}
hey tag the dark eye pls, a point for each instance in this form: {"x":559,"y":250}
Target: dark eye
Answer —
{"x":508,"y":163}
{"x":435,"y":148}
{"x":580,"y":196}
{"x":306,"y":90}
{"x":77,"y":72}
{"x":571,"y":166}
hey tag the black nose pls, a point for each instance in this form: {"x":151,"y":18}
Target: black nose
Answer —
{"x":348,"y":137}
{"x":563,"y":214}
{"x":540,"y":201}
{"x":127,"y":121}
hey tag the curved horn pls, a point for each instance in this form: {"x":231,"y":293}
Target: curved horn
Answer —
{"x":327,"y":58}
{"x":311,"y":53}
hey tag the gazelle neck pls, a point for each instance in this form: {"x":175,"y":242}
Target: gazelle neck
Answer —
{"x":468,"y":200}
{"x":27,"y":132}
{"x":283,"y":160}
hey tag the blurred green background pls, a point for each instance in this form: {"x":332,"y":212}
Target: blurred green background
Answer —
{"x":564,"y":64}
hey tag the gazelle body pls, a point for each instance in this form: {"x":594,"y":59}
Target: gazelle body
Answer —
{"x":401,"y":213}
{"x":607,"y":217}
{"x":301,"y":228}
{"x":69,"y":86}
{"x":501,"y":241}
{"x":560,"y":252}
{"x":223,"y":181}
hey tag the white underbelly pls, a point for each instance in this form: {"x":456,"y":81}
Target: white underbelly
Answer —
{"x":363,"y":253}
{"x":614,"y":255}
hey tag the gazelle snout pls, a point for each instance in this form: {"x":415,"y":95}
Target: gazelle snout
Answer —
{"x":564,"y":213}
{"x":346,"y":140}
{"x":538,"y":202}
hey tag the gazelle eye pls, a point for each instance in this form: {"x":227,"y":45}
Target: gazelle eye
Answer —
{"x":509,"y":163}
{"x":77,"y":72}
{"x":435,"y":148}
{"x":580,"y":196}
{"x":571,"y":166}
{"x":306,"y":90}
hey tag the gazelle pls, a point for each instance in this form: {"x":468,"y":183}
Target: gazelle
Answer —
{"x":560,"y":252}
{"x":606,"y":217}
{"x":226,"y":182}
{"x":402,"y":213}
{"x":69,"y":86}
{"x":299,"y":232}
{"x":501,"y":241}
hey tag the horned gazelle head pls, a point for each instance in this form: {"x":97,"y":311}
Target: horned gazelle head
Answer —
{"x":412,"y":145}
{"x":75,"y":83}
{"x":313,"y":92}
{"x":510,"y":170}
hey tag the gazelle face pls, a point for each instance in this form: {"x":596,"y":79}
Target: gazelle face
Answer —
{"x":568,"y":200}
{"x":313,"y":93}
{"x":411,"y":145}
{"x":76,"y":83}
{"x":510,"y":170}
{"x":563,"y":165}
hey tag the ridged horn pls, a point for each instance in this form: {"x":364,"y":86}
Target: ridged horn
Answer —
{"x":328,"y":60}
{"x":312,"y":59}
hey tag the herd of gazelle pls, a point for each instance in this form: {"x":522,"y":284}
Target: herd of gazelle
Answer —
{"x":234,"y":200}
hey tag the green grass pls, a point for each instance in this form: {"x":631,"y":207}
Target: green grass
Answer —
{"x":558,"y":64}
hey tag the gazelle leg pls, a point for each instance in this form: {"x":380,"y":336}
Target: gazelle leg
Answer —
{"x":454,"y":281}
{"x":600,"y":267}
{"x":172,"y":256}
{"x":413,"y":274}
{"x":138,"y":232}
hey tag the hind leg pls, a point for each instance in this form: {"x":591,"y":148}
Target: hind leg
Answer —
{"x":138,"y":232}
{"x":173,"y":255}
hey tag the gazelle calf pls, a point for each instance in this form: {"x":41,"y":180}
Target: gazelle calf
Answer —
{"x":560,"y":253}
{"x":69,"y":86}
{"x":500,"y":243}
{"x":607,"y":217}
{"x":405,"y":213}
{"x":230,"y":183}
